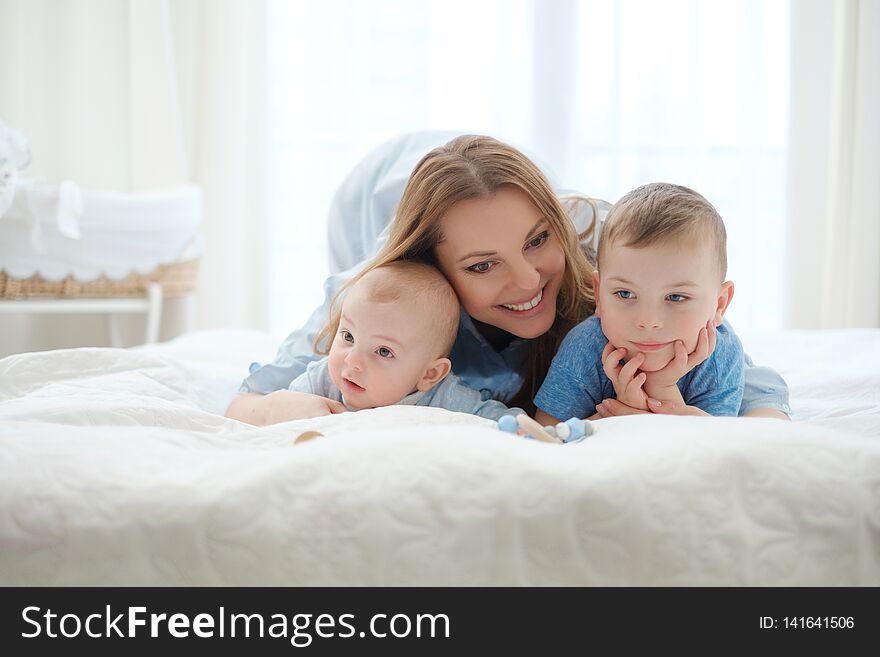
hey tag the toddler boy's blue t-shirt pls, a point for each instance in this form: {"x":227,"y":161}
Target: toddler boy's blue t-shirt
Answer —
{"x":576,"y":382}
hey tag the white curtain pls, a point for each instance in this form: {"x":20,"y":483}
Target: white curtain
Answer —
{"x":834,"y":171}
{"x":129,"y":95}
{"x":223,"y":78}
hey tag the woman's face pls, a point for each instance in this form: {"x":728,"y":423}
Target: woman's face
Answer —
{"x":504,"y":261}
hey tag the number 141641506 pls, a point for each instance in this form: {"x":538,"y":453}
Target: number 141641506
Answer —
{"x":807,"y":622}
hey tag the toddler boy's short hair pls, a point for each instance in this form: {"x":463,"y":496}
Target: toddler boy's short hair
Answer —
{"x":659,"y":213}
{"x":426,"y":289}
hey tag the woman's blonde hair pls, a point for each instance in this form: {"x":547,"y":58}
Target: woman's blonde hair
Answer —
{"x":474,"y":167}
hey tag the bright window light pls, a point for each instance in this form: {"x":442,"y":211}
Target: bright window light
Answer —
{"x":611,"y":94}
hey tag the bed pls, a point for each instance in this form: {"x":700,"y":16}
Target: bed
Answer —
{"x":118,"y":468}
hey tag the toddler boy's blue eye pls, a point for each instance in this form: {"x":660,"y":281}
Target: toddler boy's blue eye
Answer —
{"x":385,"y":352}
{"x":347,"y":336}
{"x":625,"y":294}
{"x":677,"y":297}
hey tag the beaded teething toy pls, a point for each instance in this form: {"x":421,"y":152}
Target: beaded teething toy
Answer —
{"x":571,"y":431}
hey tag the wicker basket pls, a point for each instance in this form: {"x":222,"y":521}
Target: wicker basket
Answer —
{"x":177,"y":280}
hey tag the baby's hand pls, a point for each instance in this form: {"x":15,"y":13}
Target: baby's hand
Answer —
{"x":626,"y":379}
{"x":285,"y":405}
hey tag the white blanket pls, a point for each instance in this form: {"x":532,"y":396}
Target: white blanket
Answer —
{"x":117,"y":467}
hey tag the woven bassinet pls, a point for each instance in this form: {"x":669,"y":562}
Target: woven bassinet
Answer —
{"x":177,"y":279}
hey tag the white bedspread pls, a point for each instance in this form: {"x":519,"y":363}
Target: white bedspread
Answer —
{"x":117,"y":467}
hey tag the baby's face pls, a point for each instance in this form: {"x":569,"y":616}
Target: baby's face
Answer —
{"x":380,"y":351}
{"x":649,"y":297}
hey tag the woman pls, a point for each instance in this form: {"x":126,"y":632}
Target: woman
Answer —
{"x":517,"y":255}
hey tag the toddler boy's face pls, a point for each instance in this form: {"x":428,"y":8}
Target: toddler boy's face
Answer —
{"x":380,"y":351}
{"x":649,"y":297}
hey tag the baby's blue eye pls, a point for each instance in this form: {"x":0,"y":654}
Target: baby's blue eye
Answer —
{"x":385,"y":352}
{"x":677,"y":298}
{"x":625,"y":294}
{"x":347,"y":336}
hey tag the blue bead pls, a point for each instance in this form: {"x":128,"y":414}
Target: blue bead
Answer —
{"x":507,"y":423}
{"x":579,"y":429}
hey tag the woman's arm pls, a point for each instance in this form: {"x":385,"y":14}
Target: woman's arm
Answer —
{"x":544,"y":419}
{"x":765,"y":393}
{"x":766,"y":412}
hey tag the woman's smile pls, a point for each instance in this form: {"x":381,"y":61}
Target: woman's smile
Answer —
{"x":527,"y":305}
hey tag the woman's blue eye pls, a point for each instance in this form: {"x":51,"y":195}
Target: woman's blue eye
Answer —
{"x":347,"y":336}
{"x":677,"y":298}
{"x":539,"y":240}
{"x":385,"y":352}
{"x":625,"y":294}
{"x":480,"y":267}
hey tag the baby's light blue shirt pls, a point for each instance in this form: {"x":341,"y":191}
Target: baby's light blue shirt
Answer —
{"x":577,"y":382}
{"x":449,"y":393}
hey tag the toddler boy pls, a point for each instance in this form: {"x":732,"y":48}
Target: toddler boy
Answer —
{"x":660,"y":293}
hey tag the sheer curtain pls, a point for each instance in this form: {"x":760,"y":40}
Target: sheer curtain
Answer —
{"x":610,"y":94}
{"x":834,"y":195}
{"x":346,"y":75}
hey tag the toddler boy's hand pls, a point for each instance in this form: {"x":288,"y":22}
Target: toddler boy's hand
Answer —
{"x":626,"y":379}
{"x":613,"y":408}
{"x":683,"y":362}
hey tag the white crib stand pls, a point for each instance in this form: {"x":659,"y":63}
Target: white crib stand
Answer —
{"x":150,"y":306}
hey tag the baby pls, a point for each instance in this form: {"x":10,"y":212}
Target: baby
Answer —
{"x":660,"y":293}
{"x":397,"y":326}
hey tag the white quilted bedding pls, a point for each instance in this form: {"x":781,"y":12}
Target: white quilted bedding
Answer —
{"x":117,"y":467}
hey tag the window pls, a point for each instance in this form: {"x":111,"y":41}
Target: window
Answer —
{"x":610,"y":94}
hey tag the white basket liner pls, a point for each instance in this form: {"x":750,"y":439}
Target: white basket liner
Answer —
{"x":120,"y":233}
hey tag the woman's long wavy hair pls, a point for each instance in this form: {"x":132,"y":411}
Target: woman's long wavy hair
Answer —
{"x":474,"y":167}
